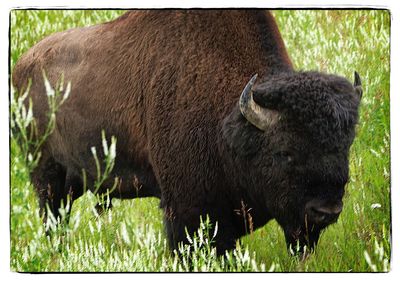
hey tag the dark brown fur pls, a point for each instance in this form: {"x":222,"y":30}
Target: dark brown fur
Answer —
{"x":166,"y":84}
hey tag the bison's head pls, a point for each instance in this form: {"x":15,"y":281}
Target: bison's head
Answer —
{"x":290,"y":139}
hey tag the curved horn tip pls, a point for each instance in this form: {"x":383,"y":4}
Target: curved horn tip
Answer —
{"x":253,"y":79}
{"x":357,"y":79}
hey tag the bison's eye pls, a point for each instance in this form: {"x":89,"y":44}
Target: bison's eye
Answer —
{"x":283,"y":157}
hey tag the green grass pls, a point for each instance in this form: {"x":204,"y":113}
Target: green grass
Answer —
{"x":130,"y":236}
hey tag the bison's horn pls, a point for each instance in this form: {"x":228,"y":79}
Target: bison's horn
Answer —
{"x":254,"y":113}
{"x":357,"y":84}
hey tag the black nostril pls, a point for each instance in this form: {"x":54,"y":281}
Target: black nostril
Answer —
{"x":317,"y":215}
{"x":327,"y":210}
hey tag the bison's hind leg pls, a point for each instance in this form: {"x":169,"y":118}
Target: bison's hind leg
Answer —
{"x":49,"y":180}
{"x":55,"y":188}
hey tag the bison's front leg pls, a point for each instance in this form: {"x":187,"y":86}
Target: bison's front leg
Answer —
{"x":183,"y":224}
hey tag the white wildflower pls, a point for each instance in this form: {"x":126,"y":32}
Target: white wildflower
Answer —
{"x":124,"y":234}
{"x":215,"y":230}
{"x":113,"y":145}
{"x":29,"y":117}
{"x":67,"y":91}
{"x":104,"y":143}
{"x":368,"y":260}
{"x":49,"y":90}
{"x":376,"y":205}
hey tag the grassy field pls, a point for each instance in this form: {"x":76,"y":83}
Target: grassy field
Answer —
{"x":130,"y":236}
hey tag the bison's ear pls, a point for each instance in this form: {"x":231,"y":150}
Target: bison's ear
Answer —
{"x":259,"y":116}
{"x":357,"y":85}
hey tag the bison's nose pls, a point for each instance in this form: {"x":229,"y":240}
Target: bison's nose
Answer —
{"x":322,"y":212}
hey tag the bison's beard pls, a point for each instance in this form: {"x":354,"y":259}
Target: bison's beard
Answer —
{"x":301,"y":240}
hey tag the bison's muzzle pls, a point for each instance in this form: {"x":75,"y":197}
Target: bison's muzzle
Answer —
{"x":320,"y":212}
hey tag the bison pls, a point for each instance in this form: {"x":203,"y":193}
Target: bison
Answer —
{"x":195,"y":125}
